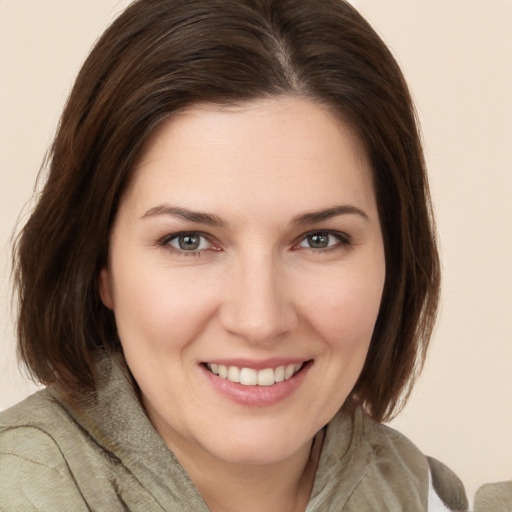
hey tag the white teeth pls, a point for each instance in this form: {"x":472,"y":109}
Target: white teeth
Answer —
{"x":289,"y":371}
{"x":248,"y":377}
{"x":251,"y":377}
{"x":266,"y":377}
{"x":234,"y":374}
{"x":279,"y":374}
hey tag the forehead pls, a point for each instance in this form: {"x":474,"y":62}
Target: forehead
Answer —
{"x":264,"y":151}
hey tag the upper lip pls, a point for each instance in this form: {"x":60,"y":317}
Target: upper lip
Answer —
{"x":258,"y":364}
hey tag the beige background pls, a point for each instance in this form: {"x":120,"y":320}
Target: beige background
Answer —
{"x":457,"y":56}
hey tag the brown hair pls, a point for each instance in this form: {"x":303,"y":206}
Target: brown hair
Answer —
{"x":161,"y":56}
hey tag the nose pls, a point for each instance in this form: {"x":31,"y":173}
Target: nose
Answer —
{"x":258,"y":305}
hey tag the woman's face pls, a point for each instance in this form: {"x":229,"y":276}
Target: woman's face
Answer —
{"x":247,"y":248}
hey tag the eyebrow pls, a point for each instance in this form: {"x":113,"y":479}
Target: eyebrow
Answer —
{"x":183,"y":213}
{"x":213,"y":220}
{"x":328,"y":213}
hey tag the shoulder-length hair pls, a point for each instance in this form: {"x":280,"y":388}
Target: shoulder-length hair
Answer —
{"x":161,"y":56}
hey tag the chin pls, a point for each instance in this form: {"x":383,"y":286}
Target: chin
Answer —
{"x":257,"y":447}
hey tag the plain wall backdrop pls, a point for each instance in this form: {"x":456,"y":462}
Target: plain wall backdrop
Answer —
{"x":457,"y":58}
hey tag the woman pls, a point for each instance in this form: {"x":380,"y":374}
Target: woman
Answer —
{"x":230,"y":278}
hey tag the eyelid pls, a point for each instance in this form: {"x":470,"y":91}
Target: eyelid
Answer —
{"x":344,"y":239}
{"x":164,"y":242}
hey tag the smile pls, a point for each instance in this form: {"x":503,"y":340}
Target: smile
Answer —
{"x":252,"y":377}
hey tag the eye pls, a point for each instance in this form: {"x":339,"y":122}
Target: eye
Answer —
{"x":323,"y":240}
{"x":191,"y":242}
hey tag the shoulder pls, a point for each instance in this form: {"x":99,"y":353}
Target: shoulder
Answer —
{"x":494,"y":497}
{"x":390,"y":452}
{"x":27,"y":424}
{"x":34,"y":409}
{"x":34,"y":474}
{"x":389,"y":444}
{"x":392,"y":447}
{"x":99,"y":452}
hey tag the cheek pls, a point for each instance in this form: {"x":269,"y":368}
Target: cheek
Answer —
{"x":345,"y":309}
{"x":156,"y":308}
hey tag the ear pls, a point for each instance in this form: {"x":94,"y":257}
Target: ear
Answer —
{"x":105,"y":288}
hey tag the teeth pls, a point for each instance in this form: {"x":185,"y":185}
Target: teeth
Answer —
{"x":279,"y":374}
{"x":289,"y":371}
{"x":223,"y":371}
{"x":248,"y":377}
{"x":266,"y":377}
{"x":251,"y":377}
{"x":234,"y":374}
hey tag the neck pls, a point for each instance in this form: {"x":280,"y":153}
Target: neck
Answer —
{"x":284,"y":486}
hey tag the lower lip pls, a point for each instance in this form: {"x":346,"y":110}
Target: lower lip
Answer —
{"x":257,"y":396}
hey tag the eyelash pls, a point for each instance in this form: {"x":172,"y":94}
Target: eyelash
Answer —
{"x":343,"y":239}
{"x":165,"y":242}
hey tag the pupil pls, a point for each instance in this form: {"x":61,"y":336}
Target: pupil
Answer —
{"x":189,"y":242}
{"x":318,"y":241}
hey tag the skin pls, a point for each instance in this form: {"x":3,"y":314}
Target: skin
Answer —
{"x":255,"y":290}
